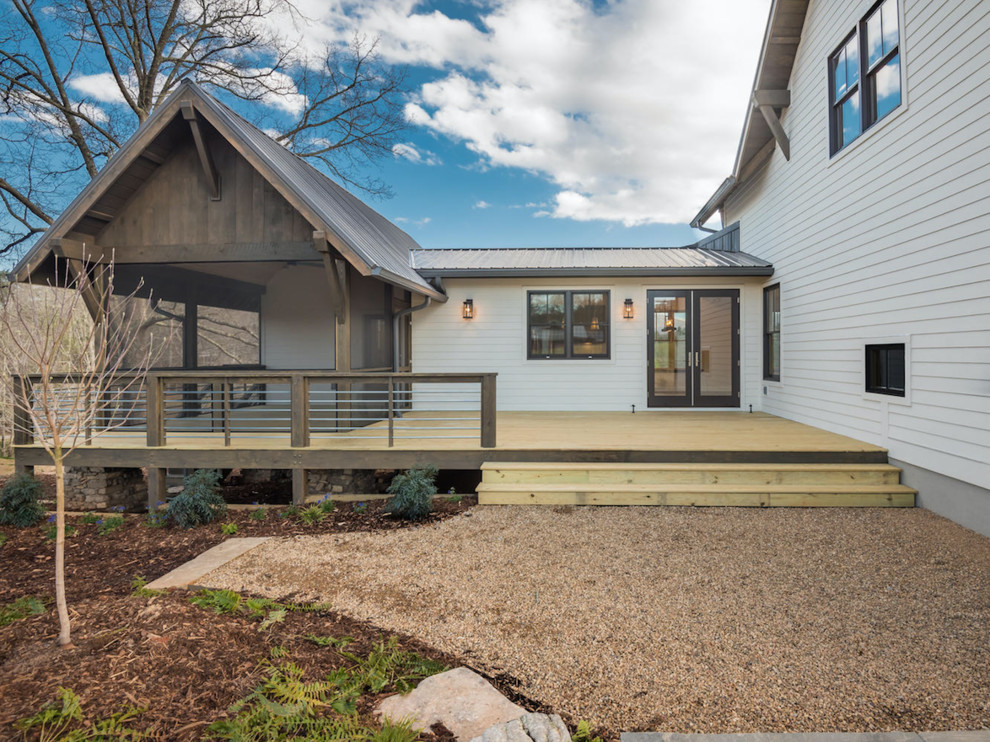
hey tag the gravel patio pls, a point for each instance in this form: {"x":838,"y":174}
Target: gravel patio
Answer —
{"x":679,"y":619}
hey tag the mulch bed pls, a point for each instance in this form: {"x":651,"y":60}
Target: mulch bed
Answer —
{"x":185,"y":665}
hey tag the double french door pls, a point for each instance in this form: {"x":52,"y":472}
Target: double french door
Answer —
{"x":693,"y":348}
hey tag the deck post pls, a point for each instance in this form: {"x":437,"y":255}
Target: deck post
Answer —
{"x":156,"y":418}
{"x":300,"y":483}
{"x":488,"y":411}
{"x":157,"y":488}
{"x":299,"y":401}
{"x":391,"y":411}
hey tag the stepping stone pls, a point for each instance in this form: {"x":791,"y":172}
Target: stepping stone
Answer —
{"x":186,"y":574}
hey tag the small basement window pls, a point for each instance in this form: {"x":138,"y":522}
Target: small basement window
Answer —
{"x":885,"y":369}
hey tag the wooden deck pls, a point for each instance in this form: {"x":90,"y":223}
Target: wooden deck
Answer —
{"x":678,"y":436}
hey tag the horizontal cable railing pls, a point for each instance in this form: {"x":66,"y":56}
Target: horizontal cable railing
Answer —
{"x":255,"y":407}
{"x":298,"y":408}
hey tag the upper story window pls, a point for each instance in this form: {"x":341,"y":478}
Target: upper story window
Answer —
{"x":865,"y":75}
{"x":568,"y":324}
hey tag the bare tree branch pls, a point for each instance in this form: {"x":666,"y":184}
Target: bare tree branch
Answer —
{"x":343,"y":109}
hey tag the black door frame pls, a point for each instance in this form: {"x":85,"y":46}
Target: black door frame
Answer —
{"x":691,"y":397}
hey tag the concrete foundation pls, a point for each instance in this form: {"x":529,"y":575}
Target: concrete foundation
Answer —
{"x":962,"y":502}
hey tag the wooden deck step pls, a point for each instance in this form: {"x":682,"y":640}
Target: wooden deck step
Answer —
{"x":744,"y":485}
{"x":688,"y":473}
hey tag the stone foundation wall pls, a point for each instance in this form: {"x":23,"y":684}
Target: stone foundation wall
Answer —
{"x":348,"y":481}
{"x":98,"y":488}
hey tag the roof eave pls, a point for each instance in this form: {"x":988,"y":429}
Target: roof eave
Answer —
{"x":715,"y":202}
{"x":593,"y":272}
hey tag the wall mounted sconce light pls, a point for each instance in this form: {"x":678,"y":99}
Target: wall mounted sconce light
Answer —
{"x":467,"y":312}
{"x":627,"y":309}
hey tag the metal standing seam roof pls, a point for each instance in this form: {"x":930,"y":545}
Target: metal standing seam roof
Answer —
{"x":579,"y":261}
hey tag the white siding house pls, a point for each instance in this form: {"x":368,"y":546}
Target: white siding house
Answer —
{"x":886,"y":241}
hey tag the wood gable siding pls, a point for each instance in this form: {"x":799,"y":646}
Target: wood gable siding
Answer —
{"x":886,"y":241}
{"x":173,"y":207}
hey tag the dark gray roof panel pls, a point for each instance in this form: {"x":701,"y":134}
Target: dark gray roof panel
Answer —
{"x":587,"y":261}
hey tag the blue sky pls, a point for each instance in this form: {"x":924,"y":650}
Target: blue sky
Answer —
{"x":547,"y":122}
{"x":561,"y":122}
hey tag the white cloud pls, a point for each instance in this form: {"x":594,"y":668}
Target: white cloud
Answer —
{"x":632,"y":109}
{"x":411,"y":152}
{"x":481,"y":205}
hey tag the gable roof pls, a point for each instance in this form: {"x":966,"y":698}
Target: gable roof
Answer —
{"x":369,"y":241}
{"x":773,"y":72}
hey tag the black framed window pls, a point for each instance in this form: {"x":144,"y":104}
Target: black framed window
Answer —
{"x":886,"y":370}
{"x":771,"y":332}
{"x":567,"y":324}
{"x":865,"y":75}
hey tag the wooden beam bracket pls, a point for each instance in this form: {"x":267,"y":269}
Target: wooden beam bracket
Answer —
{"x":205,"y":158}
{"x":768,"y":101}
{"x":336,"y":270}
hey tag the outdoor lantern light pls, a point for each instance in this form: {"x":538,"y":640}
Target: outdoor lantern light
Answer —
{"x":668,"y":326}
{"x":468,"y":311}
{"x":627,"y":309}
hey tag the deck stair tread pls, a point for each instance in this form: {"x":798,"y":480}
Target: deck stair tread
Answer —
{"x":596,"y":487}
{"x":690,"y":483}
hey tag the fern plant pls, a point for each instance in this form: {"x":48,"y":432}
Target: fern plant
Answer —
{"x":412,"y":493}
{"x":20,"y":501}
{"x":199,"y":502}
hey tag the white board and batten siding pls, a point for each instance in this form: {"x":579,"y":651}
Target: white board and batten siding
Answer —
{"x":496,"y":341}
{"x":887,"y":241}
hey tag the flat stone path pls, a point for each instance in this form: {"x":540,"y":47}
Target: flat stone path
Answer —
{"x":974,"y":736}
{"x":186,"y":574}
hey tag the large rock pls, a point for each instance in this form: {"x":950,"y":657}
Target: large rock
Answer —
{"x":528,"y":728}
{"x":461,"y":700}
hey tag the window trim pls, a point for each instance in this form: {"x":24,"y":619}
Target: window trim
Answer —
{"x":568,"y":354}
{"x":767,"y":376}
{"x":864,"y":84}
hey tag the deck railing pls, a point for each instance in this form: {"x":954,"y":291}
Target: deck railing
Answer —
{"x":293,"y":407}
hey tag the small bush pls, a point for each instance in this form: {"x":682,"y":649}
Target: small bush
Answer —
{"x":412,"y":493}
{"x":228,"y":529}
{"x":92,"y":519}
{"x":312,"y":515}
{"x":259,"y":514}
{"x":200,"y":502}
{"x":51,"y":532}
{"x":20,"y":504}
{"x":110,"y":524}
{"x":326,"y":504}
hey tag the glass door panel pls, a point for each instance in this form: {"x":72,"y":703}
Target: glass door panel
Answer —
{"x":669,"y":382}
{"x":716,"y":348}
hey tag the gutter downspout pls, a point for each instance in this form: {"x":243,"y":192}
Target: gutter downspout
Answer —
{"x":395,"y":329}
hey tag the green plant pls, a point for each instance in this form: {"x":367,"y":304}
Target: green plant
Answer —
{"x":200,"y":502}
{"x":360,"y":507}
{"x":312,"y":515}
{"x":388,"y":666}
{"x":289,"y":512}
{"x":3,"y":539}
{"x":330,"y":641}
{"x":63,"y":720}
{"x":51,"y":531}
{"x":91,"y":519}
{"x":412,"y":493}
{"x":584,"y":734}
{"x":220,"y":601}
{"x":228,"y":529}
{"x":259,"y":514}
{"x":326,"y":504}
{"x":110,"y":524}
{"x":29,"y":605}
{"x":20,"y":501}
{"x":454,"y":498}
{"x":138,"y":586}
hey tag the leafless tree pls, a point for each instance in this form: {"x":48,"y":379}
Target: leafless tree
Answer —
{"x":86,"y":376}
{"x":341,"y":107}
